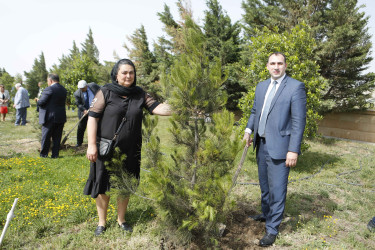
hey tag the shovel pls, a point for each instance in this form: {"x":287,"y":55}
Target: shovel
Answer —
{"x":234,"y":180}
{"x":70,"y":131}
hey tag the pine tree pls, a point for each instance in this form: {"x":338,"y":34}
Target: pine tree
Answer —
{"x":74,"y":51}
{"x":37,"y":74}
{"x":345,"y":55}
{"x":89,"y":48}
{"x":190,"y":192}
{"x":223,"y":41}
{"x":343,"y":43}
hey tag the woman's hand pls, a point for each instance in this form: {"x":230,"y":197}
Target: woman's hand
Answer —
{"x":163,"y":109}
{"x":92,"y":152}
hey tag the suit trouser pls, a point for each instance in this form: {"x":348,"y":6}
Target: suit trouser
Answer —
{"x":54,"y":131}
{"x":273,"y":179}
{"x":21,"y":115}
{"x":81,"y":130}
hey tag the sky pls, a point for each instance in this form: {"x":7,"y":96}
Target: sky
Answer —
{"x":30,"y":27}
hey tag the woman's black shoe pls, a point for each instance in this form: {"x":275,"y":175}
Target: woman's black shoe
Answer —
{"x":125,"y":226}
{"x":99,"y":230}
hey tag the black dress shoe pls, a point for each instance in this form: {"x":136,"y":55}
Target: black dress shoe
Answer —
{"x":125,"y":226}
{"x":99,"y":230}
{"x":267,"y":240}
{"x":78,"y":145}
{"x":258,"y":217}
{"x":371,"y":226}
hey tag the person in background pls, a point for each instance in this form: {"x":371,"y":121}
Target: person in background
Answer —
{"x":371,"y":225}
{"x":84,"y":96}
{"x":114,"y":101}
{"x":277,"y":120}
{"x":40,"y":84}
{"x":4,"y":100}
{"x":21,"y":103}
{"x":52,"y":115}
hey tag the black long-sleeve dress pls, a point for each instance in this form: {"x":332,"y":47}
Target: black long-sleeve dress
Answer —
{"x":110,"y":108}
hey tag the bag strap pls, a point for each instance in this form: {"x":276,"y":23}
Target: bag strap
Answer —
{"x":120,"y":127}
{"x":106,"y":96}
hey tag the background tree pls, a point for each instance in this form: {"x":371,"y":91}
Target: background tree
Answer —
{"x":345,"y":55}
{"x":38,"y":73}
{"x":81,"y":67}
{"x":343,"y":43}
{"x":223,"y":41}
{"x":89,"y":48}
{"x":298,"y":46}
{"x":7,"y":80}
{"x":171,"y":27}
{"x":144,"y":60}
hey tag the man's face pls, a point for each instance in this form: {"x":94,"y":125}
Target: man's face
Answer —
{"x":276,"y":66}
{"x":84,"y":89}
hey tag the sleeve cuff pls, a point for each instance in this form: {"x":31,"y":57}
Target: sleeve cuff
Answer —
{"x":94,"y":114}
{"x":247,"y":130}
{"x":153,"y":106}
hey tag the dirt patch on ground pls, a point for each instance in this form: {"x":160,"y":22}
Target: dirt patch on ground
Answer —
{"x":241,"y":232}
{"x":32,"y":146}
{"x":21,"y":146}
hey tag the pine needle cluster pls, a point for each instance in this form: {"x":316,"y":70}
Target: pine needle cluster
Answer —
{"x":123,"y":184}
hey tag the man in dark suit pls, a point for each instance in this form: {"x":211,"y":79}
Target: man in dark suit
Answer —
{"x":52,"y":115}
{"x":277,"y":121}
{"x":84,"y":96}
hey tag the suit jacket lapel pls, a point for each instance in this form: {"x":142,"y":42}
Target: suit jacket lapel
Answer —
{"x":278,"y":92}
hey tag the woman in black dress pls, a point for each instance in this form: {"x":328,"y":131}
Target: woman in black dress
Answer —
{"x":114,"y":101}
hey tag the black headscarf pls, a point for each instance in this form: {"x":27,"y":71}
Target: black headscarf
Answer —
{"x":119,"y":89}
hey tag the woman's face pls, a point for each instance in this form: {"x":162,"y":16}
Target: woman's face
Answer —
{"x":125,"y":75}
{"x":2,"y":88}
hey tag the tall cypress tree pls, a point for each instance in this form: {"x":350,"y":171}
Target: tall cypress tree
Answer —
{"x":144,"y":60}
{"x":223,"y":41}
{"x":89,"y":48}
{"x":37,"y":74}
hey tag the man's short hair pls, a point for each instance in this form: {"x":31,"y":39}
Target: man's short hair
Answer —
{"x":54,"y":77}
{"x":17,"y":85}
{"x":277,"y":54}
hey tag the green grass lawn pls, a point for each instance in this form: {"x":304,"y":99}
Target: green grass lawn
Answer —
{"x":330,"y":197}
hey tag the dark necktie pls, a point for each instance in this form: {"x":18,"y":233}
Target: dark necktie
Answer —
{"x":86,"y":97}
{"x":267,"y":105}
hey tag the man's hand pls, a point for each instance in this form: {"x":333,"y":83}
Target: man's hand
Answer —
{"x":291,"y":159}
{"x":85,"y":111}
{"x":248,"y":139}
{"x":14,"y":105}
